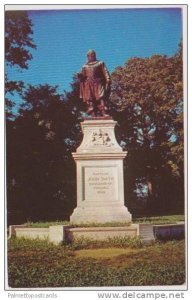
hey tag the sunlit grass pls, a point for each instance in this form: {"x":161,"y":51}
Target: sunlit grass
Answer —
{"x":172,"y":219}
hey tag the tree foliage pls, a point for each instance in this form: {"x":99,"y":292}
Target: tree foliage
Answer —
{"x":40,"y":168}
{"x":147,"y":101}
{"x":18,"y":42}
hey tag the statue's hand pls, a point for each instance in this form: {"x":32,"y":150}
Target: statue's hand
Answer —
{"x":81,"y":76}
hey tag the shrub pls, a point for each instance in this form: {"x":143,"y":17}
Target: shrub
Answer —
{"x":120,"y":242}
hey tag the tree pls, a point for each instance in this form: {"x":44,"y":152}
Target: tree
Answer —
{"x":147,"y":101}
{"x":40,"y":168}
{"x":18,"y":42}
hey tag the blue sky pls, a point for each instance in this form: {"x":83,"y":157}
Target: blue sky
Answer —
{"x":64,"y":36}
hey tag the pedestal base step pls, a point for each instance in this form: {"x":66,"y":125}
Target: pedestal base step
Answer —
{"x":100,"y":233}
{"x":86,"y":215}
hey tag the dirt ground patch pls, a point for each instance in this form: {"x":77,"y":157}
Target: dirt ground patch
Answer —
{"x":103,"y":253}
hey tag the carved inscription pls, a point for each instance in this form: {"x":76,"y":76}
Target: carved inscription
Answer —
{"x":101,"y":183}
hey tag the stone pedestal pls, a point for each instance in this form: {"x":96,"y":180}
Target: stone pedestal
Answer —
{"x":100,"y":184}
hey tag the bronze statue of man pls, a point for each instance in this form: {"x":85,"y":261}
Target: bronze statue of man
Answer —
{"x":94,"y":85}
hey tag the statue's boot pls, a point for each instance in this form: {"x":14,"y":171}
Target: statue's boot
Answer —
{"x":90,"y":109}
{"x":103,"y":114}
{"x":102,"y":110}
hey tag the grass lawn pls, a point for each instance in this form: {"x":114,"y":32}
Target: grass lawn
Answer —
{"x":37,"y":263}
{"x":172,"y":219}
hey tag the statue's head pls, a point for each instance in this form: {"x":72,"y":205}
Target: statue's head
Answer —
{"x":91,"y":55}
